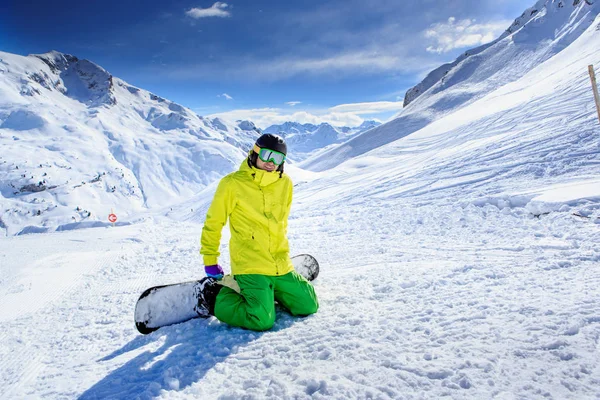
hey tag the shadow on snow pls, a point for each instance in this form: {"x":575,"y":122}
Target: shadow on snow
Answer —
{"x":186,"y":352}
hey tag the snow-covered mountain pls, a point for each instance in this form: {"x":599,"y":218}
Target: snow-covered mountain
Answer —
{"x":78,"y":142}
{"x":543,"y":31}
{"x":459,"y":260}
{"x":304,"y":139}
{"x":366,"y":125}
{"x":291,"y":128}
{"x":440,"y":73}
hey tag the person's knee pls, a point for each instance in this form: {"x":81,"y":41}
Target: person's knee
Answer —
{"x":263,"y":323}
{"x":305,"y":308}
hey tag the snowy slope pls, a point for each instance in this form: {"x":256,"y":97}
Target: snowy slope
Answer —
{"x":442,"y":301}
{"x":460,"y":261}
{"x":540,"y":33}
{"x":78,"y":142}
{"x":537,"y":12}
{"x":509,"y":146}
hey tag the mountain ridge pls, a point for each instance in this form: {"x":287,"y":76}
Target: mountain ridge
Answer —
{"x":534,"y":38}
{"x":78,"y":141}
{"x":304,"y":139}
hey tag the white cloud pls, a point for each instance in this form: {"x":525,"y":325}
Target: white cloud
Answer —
{"x":293,"y":103}
{"x":219,"y":9}
{"x":370,"y":108}
{"x":453,"y":34}
{"x":280,"y":68}
{"x":226,"y":96}
{"x":340,"y":115}
{"x":358,"y":61}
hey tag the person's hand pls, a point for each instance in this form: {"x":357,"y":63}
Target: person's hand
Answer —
{"x":214,"y":271}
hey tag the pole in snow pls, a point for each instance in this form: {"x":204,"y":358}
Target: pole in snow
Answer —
{"x":595,"y":88}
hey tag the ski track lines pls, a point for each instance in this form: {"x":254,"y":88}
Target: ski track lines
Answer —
{"x":42,"y":285}
{"x":28,"y":303}
{"x":551,"y":139}
{"x":430,"y":312}
{"x":49,"y":292}
{"x":417,"y":305}
{"x":545,"y":271}
{"x":98,"y":316}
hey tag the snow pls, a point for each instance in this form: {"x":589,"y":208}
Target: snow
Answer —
{"x":304,"y":140}
{"x":515,"y":56}
{"x":458,"y":259}
{"x":555,"y":198}
{"x":22,"y":120}
{"x":90,"y":142}
{"x":420,"y":301}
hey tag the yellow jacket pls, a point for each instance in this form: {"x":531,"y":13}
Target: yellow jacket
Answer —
{"x":257,"y":204}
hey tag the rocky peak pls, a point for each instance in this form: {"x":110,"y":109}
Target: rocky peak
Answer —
{"x":56,"y":61}
{"x":247,"y":126}
{"x":289,"y":127}
{"x":368,"y":125}
{"x":81,"y":80}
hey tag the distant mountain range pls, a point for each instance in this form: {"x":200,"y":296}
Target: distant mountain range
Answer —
{"x":303,"y":139}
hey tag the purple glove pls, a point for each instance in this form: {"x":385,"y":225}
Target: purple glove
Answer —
{"x":214,"y":271}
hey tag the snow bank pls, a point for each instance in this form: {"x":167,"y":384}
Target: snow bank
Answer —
{"x":581,"y":197}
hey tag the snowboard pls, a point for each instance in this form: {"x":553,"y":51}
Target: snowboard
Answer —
{"x":164,"y":305}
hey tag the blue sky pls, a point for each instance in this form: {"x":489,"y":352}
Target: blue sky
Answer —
{"x":339,"y":61}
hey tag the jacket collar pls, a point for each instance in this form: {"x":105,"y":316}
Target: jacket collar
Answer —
{"x":259,"y":176}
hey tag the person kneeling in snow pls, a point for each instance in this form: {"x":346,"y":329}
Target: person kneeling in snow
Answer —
{"x":256,"y":199}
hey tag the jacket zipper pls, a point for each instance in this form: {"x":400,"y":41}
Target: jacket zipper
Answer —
{"x":269,"y":230}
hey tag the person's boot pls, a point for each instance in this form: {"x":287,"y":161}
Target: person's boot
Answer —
{"x":207,"y":290}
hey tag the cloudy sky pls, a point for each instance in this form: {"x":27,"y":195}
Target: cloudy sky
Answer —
{"x":339,"y":61}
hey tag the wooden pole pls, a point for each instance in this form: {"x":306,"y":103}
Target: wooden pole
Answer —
{"x":595,"y":89}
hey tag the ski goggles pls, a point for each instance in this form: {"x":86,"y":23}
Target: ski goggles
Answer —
{"x":268,"y":155}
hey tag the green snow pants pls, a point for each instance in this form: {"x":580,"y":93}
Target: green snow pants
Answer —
{"x":254,"y":307}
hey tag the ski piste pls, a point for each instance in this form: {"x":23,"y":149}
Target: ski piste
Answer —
{"x":165,"y":305}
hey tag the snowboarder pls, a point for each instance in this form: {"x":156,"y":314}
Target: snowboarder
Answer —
{"x":256,"y":199}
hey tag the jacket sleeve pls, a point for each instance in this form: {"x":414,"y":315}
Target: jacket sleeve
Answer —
{"x":216,"y":217}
